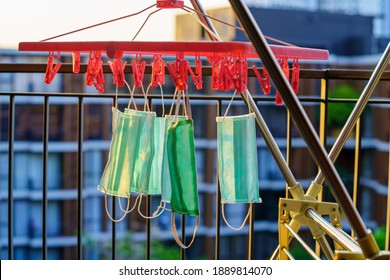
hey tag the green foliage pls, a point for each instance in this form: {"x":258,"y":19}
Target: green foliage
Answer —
{"x":339,"y":112}
{"x":380,"y":237}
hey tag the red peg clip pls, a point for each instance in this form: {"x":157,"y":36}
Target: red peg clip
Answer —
{"x":76,"y":62}
{"x":284,"y":64}
{"x":264,"y":80}
{"x":239,"y":74}
{"x":94,"y":66}
{"x":99,"y":81}
{"x":138,"y":70}
{"x":295,"y":75}
{"x":118,"y":71}
{"x":50,"y":71}
{"x":197,"y":76}
{"x":225,"y":81}
{"x":178,"y":71}
{"x":158,"y":71}
{"x":215,"y":69}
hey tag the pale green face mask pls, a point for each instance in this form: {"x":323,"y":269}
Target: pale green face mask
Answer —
{"x":237,"y":161}
{"x":118,"y":175}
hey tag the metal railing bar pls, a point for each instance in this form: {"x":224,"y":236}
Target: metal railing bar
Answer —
{"x":183,"y":237}
{"x":302,"y":242}
{"x":45,"y":142}
{"x":332,"y":231}
{"x":113,"y":203}
{"x":67,"y":68}
{"x":218,"y":202}
{"x":80,"y":136}
{"x":387,"y":242}
{"x":251,"y":232}
{"x":11,"y":139}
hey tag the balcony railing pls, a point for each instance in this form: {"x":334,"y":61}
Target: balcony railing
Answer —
{"x":318,"y":81}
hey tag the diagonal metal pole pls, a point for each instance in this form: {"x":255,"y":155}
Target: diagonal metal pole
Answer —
{"x":364,"y":236}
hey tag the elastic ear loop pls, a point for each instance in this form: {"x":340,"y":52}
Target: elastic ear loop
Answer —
{"x":175,"y":235}
{"x":128,"y":211}
{"x":243,"y":223}
{"x":155,"y":213}
{"x":131,"y":96}
{"x":162,"y":96}
{"x":125,"y":212}
{"x":173,"y":102}
{"x":230,"y":103}
{"x":188,"y":105}
{"x":177,"y":106}
{"x":146,"y":103}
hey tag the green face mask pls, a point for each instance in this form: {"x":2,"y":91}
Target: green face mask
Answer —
{"x":237,"y":160}
{"x":182,"y":169}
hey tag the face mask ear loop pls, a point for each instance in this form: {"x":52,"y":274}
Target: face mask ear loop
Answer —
{"x":188,"y":105}
{"x":243,"y":223}
{"x":146,"y":103}
{"x":173,"y":102}
{"x":230,"y":103}
{"x":175,"y":235}
{"x":155,"y":213}
{"x":116,"y":98}
{"x":108,"y":213}
{"x":131,"y":96}
{"x":162,"y":99}
{"x":128,"y":205}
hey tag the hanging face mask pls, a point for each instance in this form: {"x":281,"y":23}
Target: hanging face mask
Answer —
{"x":182,"y":170}
{"x":237,"y":160}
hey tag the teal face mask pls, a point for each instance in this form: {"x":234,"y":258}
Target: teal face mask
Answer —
{"x":237,"y":160}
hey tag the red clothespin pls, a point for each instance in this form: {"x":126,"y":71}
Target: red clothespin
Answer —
{"x":178,"y":71}
{"x":225,"y":81}
{"x":158,"y":70}
{"x":50,"y":71}
{"x":284,"y":64}
{"x":94,"y":66}
{"x":197,"y":76}
{"x":264,"y":80}
{"x":239,"y":73}
{"x":118,"y":71}
{"x":215,"y":69}
{"x":138,"y":70}
{"x":99,"y":81}
{"x":76,"y":62}
{"x":295,"y":75}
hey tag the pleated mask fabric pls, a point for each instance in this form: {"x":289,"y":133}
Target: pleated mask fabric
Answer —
{"x":237,"y":159}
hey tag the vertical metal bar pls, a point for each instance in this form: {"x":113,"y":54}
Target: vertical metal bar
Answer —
{"x":322,"y":134}
{"x":80,"y":136}
{"x":356,"y":168}
{"x":147,"y":221}
{"x":301,"y":121}
{"x":45,"y":142}
{"x":183,"y":237}
{"x":11,"y":136}
{"x":251,"y":232}
{"x":387,"y":242}
{"x":289,"y":146}
{"x":113,"y":224}
{"x":218,"y":202}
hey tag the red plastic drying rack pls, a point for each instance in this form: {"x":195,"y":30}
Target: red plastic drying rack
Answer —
{"x":114,"y":48}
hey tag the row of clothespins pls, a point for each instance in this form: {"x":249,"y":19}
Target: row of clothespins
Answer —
{"x":229,"y":72}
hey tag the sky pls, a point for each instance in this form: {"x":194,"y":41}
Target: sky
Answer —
{"x":24,"y":20}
